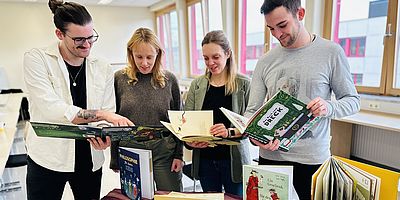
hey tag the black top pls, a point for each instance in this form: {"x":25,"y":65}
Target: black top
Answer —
{"x":214,"y":99}
{"x":77,"y":75}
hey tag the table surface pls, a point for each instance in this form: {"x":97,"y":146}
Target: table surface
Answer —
{"x":9,"y":113}
{"x":113,"y":195}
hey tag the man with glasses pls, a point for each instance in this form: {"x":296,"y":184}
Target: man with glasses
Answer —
{"x":66,"y":85}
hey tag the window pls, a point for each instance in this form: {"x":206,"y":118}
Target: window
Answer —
{"x":368,"y":37}
{"x":167,"y":26}
{"x":203,"y":16}
{"x":251,"y":35}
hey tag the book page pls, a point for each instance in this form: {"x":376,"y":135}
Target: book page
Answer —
{"x":191,"y":123}
{"x":239,"y":121}
{"x":317,"y":180}
{"x":363,"y":183}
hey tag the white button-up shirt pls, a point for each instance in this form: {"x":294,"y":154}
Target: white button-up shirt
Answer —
{"x":50,"y":100}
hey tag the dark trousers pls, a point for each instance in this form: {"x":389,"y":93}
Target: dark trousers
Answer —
{"x":302,"y":175}
{"x":45,"y":184}
{"x":217,"y":173}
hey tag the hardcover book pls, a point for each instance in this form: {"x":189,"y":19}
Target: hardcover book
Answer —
{"x":265,"y":182}
{"x":190,"y":126}
{"x":337,"y":178}
{"x":282,"y":117}
{"x":136,"y":173}
{"x":83,"y":132}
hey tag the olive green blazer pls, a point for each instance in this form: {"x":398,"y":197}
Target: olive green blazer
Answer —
{"x":239,"y":154}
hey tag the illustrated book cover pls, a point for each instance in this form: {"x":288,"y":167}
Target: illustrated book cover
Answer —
{"x":136,"y":173}
{"x":282,"y":117}
{"x":190,"y":126}
{"x":83,"y":132}
{"x":339,"y":179}
{"x":266,"y":182}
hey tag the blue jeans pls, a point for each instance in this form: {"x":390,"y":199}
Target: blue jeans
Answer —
{"x":217,"y":173}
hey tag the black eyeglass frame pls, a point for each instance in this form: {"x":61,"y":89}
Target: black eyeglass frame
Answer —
{"x":81,"y":40}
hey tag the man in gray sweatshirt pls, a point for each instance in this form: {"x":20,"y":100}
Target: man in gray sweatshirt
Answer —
{"x":309,"y":68}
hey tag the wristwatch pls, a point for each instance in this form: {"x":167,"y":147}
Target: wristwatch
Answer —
{"x":231,"y":132}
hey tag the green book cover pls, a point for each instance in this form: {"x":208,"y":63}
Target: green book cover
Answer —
{"x":282,"y":117}
{"x":83,"y":132}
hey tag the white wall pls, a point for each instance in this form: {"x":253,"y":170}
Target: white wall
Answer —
{"x":27,"y":25}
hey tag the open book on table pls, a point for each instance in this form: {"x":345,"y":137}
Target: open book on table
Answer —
{"x":282,"y":117}
{"x":83,"y":132}
{"x":341,"y":178}
{"x":194,"y":126}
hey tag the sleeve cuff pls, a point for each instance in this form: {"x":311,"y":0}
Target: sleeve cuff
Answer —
{"x":71,"y":112}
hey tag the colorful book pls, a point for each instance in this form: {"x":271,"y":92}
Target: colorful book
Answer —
{"x":265,"y":182}
{"x":282,"y":117}
{"x":353,"y":180}
{"x":136,"y":173}
{"x":83,"y":132}
{"x":191,"y":126}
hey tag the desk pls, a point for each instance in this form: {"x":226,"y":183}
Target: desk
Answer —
{"x":116,"y":195}
{"x":342,"y":129}
{"x":9,"y":113}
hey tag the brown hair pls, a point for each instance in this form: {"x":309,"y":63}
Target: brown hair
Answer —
{"x":218,"y":37}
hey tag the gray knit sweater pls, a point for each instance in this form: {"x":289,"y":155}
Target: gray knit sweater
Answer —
{"x":145,"y":105}
{"x":315,"y":70}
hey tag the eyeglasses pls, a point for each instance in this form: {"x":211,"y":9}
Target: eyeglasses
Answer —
{"x":81,"y":40}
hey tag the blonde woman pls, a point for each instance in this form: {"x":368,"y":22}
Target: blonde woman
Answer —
{"x":144,"y":93}
{"x":219,"y":167}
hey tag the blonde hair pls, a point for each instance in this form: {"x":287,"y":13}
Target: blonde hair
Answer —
{"x":218,"y":37}
{"x":145,"y":36}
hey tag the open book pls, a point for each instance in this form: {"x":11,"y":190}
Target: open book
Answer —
{"x":283,"y":117}
{"x":340,"y":179}
{"x":194,"y":126}
{"x":268,"y":182}
{"x":83,"y":132}
{"x":136,"y":173}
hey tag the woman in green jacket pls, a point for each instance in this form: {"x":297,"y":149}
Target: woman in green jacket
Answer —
{"x":221,"y":166}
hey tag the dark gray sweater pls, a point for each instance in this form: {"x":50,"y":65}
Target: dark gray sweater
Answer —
{"x":144,"y":105}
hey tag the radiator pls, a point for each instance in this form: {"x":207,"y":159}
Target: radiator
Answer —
{"x":376,"y":145}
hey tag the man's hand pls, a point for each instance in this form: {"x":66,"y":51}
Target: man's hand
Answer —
{"x":219,"y":130}
{"x":98,"y":144}
{"x":272,"y":145}
{"x":197,"y":144}
{"x":117,"y":120}
{"x":318,"y":107}
{"x":88,"y":116}
{"x":177,"y":165}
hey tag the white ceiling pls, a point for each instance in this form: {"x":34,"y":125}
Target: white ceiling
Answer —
{"x":134,"y":3}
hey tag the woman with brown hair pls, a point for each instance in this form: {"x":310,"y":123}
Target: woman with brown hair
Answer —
{"x":220,"y":86}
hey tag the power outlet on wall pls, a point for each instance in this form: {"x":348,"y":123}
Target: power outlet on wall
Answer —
{"x":373,"y":105}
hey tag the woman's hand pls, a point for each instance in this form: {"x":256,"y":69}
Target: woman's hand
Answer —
{"x":177,"y":165}
{"x":98,"y":144}
{"x":219,"y":130}
{"x":197,"y":144}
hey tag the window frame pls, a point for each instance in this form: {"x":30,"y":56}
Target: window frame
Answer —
{"x":386,"y":86}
